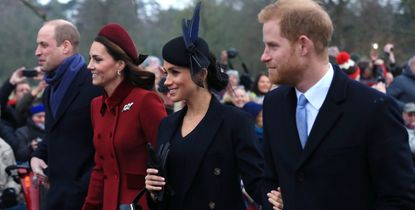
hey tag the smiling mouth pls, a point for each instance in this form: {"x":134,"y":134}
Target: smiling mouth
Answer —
{"x":173,"y":91}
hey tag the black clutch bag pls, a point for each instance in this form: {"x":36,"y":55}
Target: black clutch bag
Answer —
{"x":134,"y":205}
{"x":158,"y":161}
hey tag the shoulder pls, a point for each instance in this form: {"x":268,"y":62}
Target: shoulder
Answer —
{"x":276,"y":94}
{"x":145,"y":97}
{"x":97,"y":100}
{"x":234,"y":116}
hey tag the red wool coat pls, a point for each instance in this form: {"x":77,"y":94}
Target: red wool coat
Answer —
{"x":122,"y":123}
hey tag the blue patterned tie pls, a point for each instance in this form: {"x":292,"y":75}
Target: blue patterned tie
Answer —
{"x":301,"y":119}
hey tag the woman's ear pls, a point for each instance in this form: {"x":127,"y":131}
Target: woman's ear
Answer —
{"x":121,"y":64}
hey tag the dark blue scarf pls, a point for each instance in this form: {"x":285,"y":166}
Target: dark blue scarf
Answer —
{"x":61,"y":78}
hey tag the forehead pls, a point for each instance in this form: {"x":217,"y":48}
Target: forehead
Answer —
{"x":263,"y":78}
{"x":46,"y":33}
{"x":98,"y":49}
{"x":167,"y":65}
{"x":22,"y":86}
{"x":272,"y":27}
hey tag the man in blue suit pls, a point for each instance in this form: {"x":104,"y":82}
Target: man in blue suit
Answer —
{"x":330,"y":142}
{"x":67,"y":149}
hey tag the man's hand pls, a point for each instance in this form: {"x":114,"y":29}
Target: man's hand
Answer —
{"x":38,"y":165}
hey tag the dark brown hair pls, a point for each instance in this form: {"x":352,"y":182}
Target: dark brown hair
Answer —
{"x":132,"y":72}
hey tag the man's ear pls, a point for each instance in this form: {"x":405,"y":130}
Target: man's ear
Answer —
{"x":67,"y":47}
{"x":305,"y":45}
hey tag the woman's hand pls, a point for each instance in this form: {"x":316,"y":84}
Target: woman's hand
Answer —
{"x":275,"y":198}
{"x":154,"y":182}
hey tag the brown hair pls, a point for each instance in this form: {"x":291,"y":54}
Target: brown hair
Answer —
{"x":132,"y":72}
{"x":65,"y":30}
{"x":300,"y":17}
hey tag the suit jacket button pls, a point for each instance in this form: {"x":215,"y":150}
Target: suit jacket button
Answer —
{"x":217,"y":171}
{"x":300,"y":177}
{"x":212,"y":205}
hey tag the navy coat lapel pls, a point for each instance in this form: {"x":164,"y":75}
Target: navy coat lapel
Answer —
{"x":205,"y":135}
{"x":70,"y":95}
{"x":328,"y":115}
{"x":292,"y":140}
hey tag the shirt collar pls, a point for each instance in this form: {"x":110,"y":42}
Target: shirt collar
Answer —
{"x":122,"y":90}
{"x":318,"y":92}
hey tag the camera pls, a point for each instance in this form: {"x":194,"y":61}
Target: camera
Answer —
{"x":29,"y":73}
{"x":232,"y":52}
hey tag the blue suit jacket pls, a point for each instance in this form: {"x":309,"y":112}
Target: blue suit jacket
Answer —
{"x":68,"y":147}
{"x":356,"y":157}
{"x":224,"y":151}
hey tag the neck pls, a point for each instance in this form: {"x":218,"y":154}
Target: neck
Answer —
{"x":199,"y":103}
{"x":315,"y":71}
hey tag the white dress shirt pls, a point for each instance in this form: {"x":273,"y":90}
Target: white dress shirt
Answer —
{"x":316,"y":96}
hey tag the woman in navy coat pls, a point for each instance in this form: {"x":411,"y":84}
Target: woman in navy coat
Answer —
{"x":124,"y":119}
{"x":211,"y":145}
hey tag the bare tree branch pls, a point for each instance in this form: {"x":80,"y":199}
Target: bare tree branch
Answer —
{"x":37,"y":11}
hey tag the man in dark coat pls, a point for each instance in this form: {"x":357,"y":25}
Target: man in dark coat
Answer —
{"x":67,"y":149}
{"x":330,"y":142}
{"x":403,"y":86}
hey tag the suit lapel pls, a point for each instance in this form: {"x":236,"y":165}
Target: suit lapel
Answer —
{"x":292,"y":139}
{"x":49,"y":116}
{"x":328,"y":115}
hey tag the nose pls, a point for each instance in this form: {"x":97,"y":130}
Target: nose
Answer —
{"x":265,"y":57}
{"x":168,"y":81}
{"x":37,"y":51}
{"x":90,"y":65}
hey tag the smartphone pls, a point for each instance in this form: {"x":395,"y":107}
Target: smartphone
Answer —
{"x":29,"y":73}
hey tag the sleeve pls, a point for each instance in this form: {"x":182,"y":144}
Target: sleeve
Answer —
{"x":5,"y":92}
{"x":395,"y":90}
{"x":42,"y":150}
{"x":249,"y":158}
{"x":23,"y":140}
{"x":389,"y":157}
{"x":270,"y":176}
{"x":94,"y":198}
{"x":7,"y":133}
{"x":151,"y":114}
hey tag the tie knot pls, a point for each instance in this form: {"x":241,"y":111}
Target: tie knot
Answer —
{"x":302,"y":101}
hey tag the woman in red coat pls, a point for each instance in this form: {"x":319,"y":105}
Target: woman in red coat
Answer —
{"x":124,"y":119}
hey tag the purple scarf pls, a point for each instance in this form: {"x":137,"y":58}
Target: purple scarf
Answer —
{"x":61,"y":78}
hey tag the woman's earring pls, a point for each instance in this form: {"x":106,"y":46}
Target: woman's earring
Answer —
{"x":119,"y":72}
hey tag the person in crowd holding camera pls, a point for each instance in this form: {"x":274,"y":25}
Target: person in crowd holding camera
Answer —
{"x":330,"y":142}
{"x":124,"y":119}
{"x":29,"y":136}
{"x":211,"y":145}
{"x":402,"y":87}
{"x":66,"y":153}
{"x":17,"y":84}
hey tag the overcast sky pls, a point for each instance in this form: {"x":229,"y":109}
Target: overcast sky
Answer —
{"x":165,"y":4}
